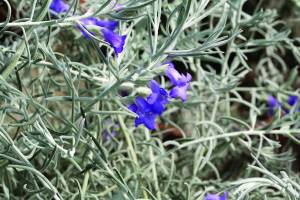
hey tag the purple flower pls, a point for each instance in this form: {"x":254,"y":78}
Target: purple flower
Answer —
{"x":216,"y":197}
{"x":59,"y":6}
{"x":148,"y":110}
{"x":180,"y":81}
{"x":145,"y":113}
{"x":116,"y":41}
{"x":111,"y":25}
{"x":292,"y":100}
{"x":158,"y":98}
{"x":273,"y":104}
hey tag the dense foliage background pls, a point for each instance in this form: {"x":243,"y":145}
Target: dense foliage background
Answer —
{"x":65,"y":128}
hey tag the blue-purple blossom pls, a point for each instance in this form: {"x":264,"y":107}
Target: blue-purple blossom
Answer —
{"x":216,"y":197}
{"x":145,"y":114}
{"x":148,"y":109}
{"x":115,"y":41}
{"x":292,"y":100}
{"x":273,"y":104}
{"x":158,"y":98}
{"x":109,"y":24}
{"x":180,"y":82}
{"x":59,"y":6}
{"x":107,"y":27}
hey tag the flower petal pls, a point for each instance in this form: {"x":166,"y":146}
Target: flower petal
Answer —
{"x":179,"y":92}
{"x":138,"y":121}
{"x":163,"y":96}
{"x":142,"y":104}
{"x":108,"y":24}
{"x":224,"y":197}
{"x":158,"y":98}
{"x":149,"y":121}
{"x":158,"y":93}
{"x":173,"y":75}
{"x":118,"y":47}
{"x":154,"y":86}
{"x":152,"y":98}
{"x":272,"y":101}
{"x":216,"y":197}
{"x":292,"y":100}
{"x":59,"y":6}
{"x":212,"y":197}
{"x":133,"y":107}
{"x":115,"y":41}
{"x":111,"y":25}
{"x":157,"y":107}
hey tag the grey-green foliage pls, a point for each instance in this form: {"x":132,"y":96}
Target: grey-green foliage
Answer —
{"x":60,"y":92}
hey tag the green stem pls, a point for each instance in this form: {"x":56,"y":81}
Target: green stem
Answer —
{"x":69,"y":20}
{"x":287,"y":133}
{"x":153,"y":166}
{"x":85,"y":183}
{"x":131,"y":149}
{"x":128,"y":140}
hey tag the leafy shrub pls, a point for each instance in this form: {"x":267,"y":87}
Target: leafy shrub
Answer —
{"x":149,"y":99}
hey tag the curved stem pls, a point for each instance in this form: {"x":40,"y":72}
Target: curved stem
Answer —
{"x":14,"y":60}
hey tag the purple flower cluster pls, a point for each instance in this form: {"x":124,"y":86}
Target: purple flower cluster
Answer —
{"x":107,"y":27}
{"x":148,"y":109}
{"x":154,"y":105}
{"x":274,"y":104}
{"x":216,"y":197}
